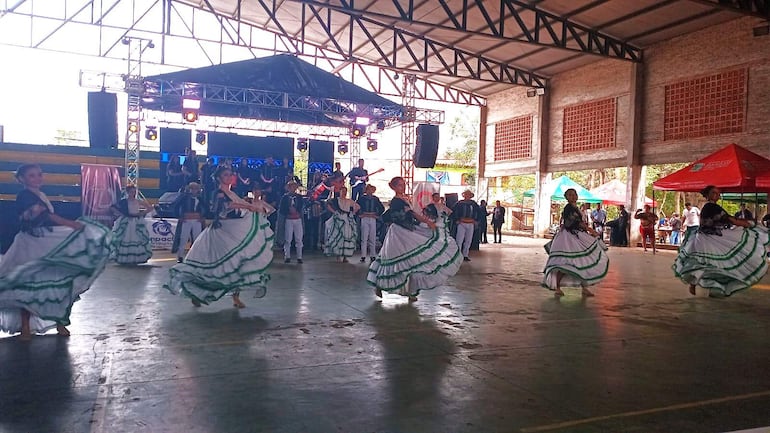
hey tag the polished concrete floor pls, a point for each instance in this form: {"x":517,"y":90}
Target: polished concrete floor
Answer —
{"x":493,"y":352}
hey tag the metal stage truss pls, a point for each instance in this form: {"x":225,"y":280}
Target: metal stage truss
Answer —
{"x":188,"y":36}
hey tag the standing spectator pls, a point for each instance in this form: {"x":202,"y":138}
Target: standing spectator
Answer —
{"x":619,"y":226}
{"x":744,"y":214}
{"x":585,"y":212}
{"x":498,"y":218}
{"x":676,"y":229}
{"x":482,"y":219}
{"x":599,"y":217}
{"x":691,"y":219}
{"x":190,"y":167}
{"x":244,"y":176}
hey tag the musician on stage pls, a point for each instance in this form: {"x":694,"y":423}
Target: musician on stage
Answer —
{"x":359,"y":176}
{"x":371,"y":210}
{"x":266,"y":178}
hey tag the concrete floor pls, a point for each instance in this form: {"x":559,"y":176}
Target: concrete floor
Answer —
{"x":492,"y":353}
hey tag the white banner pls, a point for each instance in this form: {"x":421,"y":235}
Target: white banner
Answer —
{"x":161,"y":233}
{"x":421,"y":196}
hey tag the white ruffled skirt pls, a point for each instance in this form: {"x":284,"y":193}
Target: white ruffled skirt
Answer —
{"x":725,"y":264}
{"x":131,"y":241}
{"x":414,"y":260}
{"x":45,"y":275}
{"x":341,"y":235}
{"x":230,"y":259}
{"x":581,"y":257}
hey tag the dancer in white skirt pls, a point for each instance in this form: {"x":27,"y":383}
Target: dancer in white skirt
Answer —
{"x":51,"y":262}
{"x":232,"y":254}
{"x":725,"y":254}
{"x":130,"y":237}
{"x":417,"y":253}
{"x":575,"y":257}
{"x":341,"y":228}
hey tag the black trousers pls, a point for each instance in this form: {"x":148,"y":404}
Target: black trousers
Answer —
{"x":497,"y":231}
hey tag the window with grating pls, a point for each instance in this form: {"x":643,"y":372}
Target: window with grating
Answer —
{"x":513,"y":139}
{"x":590,"y":126}
{"x":705,"y":106}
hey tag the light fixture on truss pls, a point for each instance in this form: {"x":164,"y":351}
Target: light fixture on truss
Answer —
{"x":302,"y":144}
{"x":342,"y":147}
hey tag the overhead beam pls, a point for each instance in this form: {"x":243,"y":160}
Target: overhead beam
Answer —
{"x":755,"y":8}
{"x":549,"y":30}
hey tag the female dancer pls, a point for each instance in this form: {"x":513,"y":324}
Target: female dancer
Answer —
{"x":719,"y":258}
{"x":341,"y":228}
{"x":414,"y":256}
{"x":232,"y":254}
{"x":131,"y":239}
{"x":51,"y":262}
{"x":575,"y":256}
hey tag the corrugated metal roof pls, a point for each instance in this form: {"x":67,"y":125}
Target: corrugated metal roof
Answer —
{"x":639,"y":23}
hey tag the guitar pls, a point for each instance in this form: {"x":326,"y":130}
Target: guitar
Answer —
{"x":364,"y":179}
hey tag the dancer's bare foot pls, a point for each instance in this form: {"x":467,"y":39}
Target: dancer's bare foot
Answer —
{"x":692,"y":289}
{"x":558,"y":293}
{"x":62,"y":330}
{"x":587,"y":293}
{"x":195,"y":302}
{"x":26,"y":335}
{"x":237,"y":302}
{"x":378,"y":293}
{"x":412,"y":298}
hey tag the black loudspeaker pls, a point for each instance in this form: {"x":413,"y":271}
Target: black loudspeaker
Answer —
{"x":164,"y":208}
{"x":426,"y":148}
{"x":103,"y":120}
{"x":175,"y":141}
{"x":451,"y":199}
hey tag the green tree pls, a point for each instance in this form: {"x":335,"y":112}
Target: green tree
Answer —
{"x":464,"y":130}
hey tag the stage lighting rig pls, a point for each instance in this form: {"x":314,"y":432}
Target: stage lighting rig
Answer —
{"x":357,"y":131}
{"x":200,"y":138}
{"x":302,"y":144}
{"x":133,"y":127}
{"x":371,"y":145}
{"x":190,"y":109}
{"x":151,"y":133}
{"x":342,"y":147}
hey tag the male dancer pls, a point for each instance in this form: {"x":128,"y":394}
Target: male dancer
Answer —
{"x":371,"y":210}
{"x":291,"y":209}
{"x":190,"y":207}
{"x":465,"y":212}
{"x":358,"y":178}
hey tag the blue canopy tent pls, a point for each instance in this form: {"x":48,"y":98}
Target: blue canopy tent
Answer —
{"x":556,"y":188}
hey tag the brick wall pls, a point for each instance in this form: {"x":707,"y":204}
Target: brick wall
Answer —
{"x":719,"y":49}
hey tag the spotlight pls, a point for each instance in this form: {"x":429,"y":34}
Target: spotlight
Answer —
{"x":200,"y":137}
{"x":357,"y":131}
{"x":381,"y":125}
{"x":190,"y":109}
{"x":302,"y":144}
{"x":342,"y":147}
{"x":371,"y":145}
{"x":151,"y":133}
{"x":133,"y":127}
{"x":361,"y":120}
{"x":395,"y":76}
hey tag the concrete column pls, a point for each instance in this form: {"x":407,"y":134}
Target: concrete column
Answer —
{"x":482,"y":183}
{"x":637,"y":173}
{"x":542,"y":176}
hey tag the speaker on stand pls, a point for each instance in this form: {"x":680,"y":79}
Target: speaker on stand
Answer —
{"x":103,"y":120}
{"x":426,"y":147}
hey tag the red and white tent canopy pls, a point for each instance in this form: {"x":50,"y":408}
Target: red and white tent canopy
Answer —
{"x":732,"y":169}
{"x":614,"y":192}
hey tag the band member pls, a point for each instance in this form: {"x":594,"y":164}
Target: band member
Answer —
{"x":575,"y":255}
{"x":244,"y":176}
{"x":51,"y":262}
{"x":465,"y":213}
{"x":130,"y":237}
{"x":267,"y":177}
{"x":341,"y":228}
{"x":291,"y":208}
{"x":190,"y":209}
{"x":190,"y":167}
{"x":284,"y":173}
{"x":371,"y":210}
{"x":231,"y":255}
{"x":358,"y":178}
{"x":498,"y":219}
{"x":416,"y":255}
{"x":721,"y":259}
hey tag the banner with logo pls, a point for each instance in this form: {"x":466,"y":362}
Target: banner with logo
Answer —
{"x":422,"y":194}
{"x":99,"y":189}
{"x":161,"y":233}
{"x":441,"y":177}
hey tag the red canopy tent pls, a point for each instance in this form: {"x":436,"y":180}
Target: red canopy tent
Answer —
{"x":614,"y":192}
{"x":732,"y":169}
{"x":763,"y":181}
